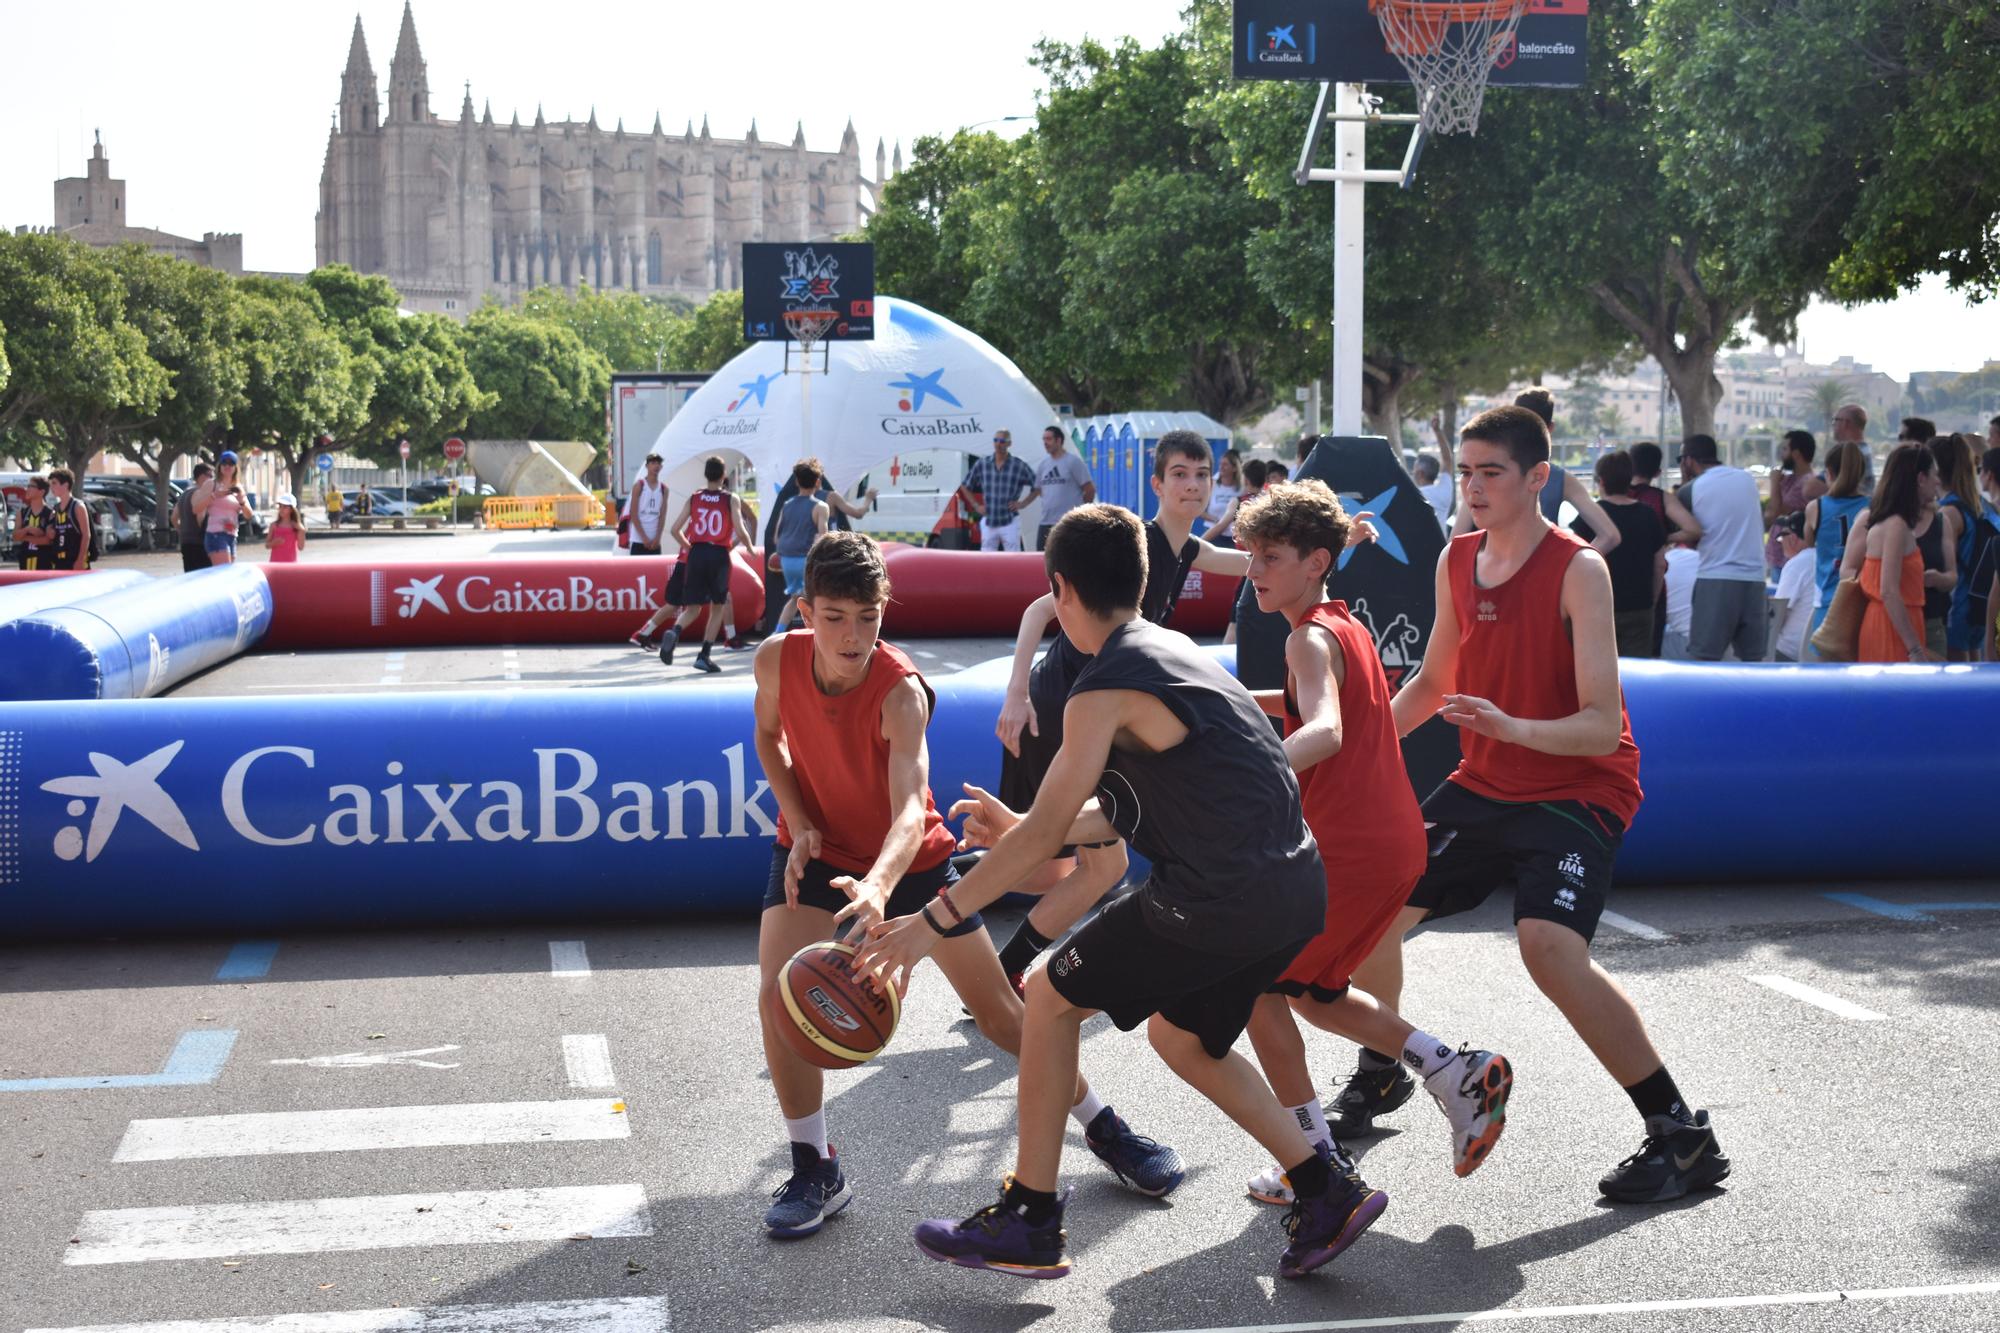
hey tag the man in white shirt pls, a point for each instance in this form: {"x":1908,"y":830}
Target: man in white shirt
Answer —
{"x":1435,"y":487}
{"x":1681,"y":566}
{"x":1797,"y":589}
{"x":646,"y":510}
{"x":1730,"y":608}
{"x":1850,"y":426}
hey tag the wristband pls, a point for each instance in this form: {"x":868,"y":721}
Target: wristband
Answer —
{"x":949,"y":906}
{"x":925,"y":913}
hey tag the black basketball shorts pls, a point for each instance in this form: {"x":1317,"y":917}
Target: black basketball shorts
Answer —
{"x":1119,"y":963}
{"x":707,"y":575}
{"x":912,"y":891}
{"x":1557,"y":857}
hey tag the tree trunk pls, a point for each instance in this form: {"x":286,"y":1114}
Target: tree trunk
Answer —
{"x":1445,"y":426}
{"x":1382,"y":386}
{"x":1675,"y":319}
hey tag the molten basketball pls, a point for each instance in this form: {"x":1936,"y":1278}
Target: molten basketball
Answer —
{"x":828,"y":1013}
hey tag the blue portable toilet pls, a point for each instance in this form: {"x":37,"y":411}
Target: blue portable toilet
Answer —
{"x":1136,"y":491}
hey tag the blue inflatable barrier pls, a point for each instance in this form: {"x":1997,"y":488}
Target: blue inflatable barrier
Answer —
{"x":137,"y":642}
{"x":185,"y":815}
{"x":26,"y":599}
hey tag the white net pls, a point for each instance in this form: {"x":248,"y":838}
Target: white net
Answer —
{"x":808,"y":327}
{"x":1449,"y":50}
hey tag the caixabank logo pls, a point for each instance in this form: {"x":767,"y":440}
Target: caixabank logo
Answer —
{"x":745,"y":413}
{"x":1293,"y":43}
{"x":481,"y":594}
{"x":922,"y":400}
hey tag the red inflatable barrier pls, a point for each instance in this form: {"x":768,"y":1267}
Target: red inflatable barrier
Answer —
{"x":11,"y":576}
{"x":416,"y":603}
{"x":945,"y":593}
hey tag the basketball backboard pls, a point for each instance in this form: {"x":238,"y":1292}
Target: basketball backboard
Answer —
{"x":780,"y":277}
{"x":1340,"y":41}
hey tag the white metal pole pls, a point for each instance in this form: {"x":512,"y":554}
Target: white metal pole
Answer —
{"x":1350,"y":138}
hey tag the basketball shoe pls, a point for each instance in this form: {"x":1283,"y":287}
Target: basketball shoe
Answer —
{"x":1153,"y":1169}
{"x":999,"y":1237}
{"x":667,"y":643}
{"x":1471,"y":1089}
{"x":1369,"y":1093}
{"x":816,"y":1191}
{"x":1271,"y":1186}
{"x":1319,"y":1227}
{"x":644,"y":641}
{"x":1675,"y":1159}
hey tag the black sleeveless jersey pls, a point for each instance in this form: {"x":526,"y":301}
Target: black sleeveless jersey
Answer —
{"x":1235,"y":870}
{"x":1166,"y":575}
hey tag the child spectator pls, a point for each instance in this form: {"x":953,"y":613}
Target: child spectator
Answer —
{"x":288,"y":532}
{"x":1797,"y":594}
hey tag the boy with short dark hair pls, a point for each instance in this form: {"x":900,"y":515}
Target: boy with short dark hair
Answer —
{"x":1524,"y":662}
{"x":710,"y":523}
{"x":841,"y":718}
{"x":1340,"y":739}
{"x":1153,"y":728}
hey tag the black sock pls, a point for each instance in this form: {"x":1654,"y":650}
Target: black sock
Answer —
{"x":1037,"y":1206}
{"x":1374,"y":1061}
{"x":1023,"y":949}
{"x":1310,"y":1178}
{"x":1656,"y":1094}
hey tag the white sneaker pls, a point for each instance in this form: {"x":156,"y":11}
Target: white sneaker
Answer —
{"x":1472,"y":1089}
{"x":1270,"y":1185}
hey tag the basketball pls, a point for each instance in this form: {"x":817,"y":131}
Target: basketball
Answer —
{"x":828,"y":1013}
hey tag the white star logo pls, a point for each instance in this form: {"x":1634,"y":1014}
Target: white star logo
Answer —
{"x":419,"y":593}
{"x":117,"y":788}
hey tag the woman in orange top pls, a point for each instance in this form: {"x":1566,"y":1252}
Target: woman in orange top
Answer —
{"x":1892,"y":625}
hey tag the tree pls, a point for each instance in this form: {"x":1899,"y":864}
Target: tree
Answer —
{"x":77,"y":364}
{"x":930,"y":216}
{"x":714,"y":334}
{"x":630,"y":331}
{"x":1828,"y":397}
{"x":421,"y":388}
{"x":537,"y":379}
{"x":304,"y":380}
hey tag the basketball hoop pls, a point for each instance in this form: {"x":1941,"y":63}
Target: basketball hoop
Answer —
{"x":808,"y":329}
{"x":1449,"y":48}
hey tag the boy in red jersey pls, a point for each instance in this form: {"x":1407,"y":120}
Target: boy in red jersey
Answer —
{"x":1340,"y":737}
{"x":1524,"y":661}
{"x":840,"y":732}
{"x":711,"y":521}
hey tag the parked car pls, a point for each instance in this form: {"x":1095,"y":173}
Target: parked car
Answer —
{"x":384,"y":502}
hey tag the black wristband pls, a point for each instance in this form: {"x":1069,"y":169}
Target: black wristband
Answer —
{"x":925,"y":913}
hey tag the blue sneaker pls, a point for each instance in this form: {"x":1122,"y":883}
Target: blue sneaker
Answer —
{"x":816,"y":1191}
{"x":998,"y":1238}
{"x":1151,"y":1168}
{"x":1322,"y":1226}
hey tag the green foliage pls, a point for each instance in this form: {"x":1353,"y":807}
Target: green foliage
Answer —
{"x":304,"y":378}
{"x":630,"y":331}
{"x":714,"y":333}
{"x":538,"y":379}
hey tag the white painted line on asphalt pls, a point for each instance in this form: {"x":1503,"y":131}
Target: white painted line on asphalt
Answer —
{"x":366,"y":1059}
{"x":363,"y":1129}
{"x":510,"y":663}
{"x":587,"y":1058}
{"x":367,"y":1222}
{"x":925,"y":653}
{"x":1631,"y":927}
{"x":618,"y":1314}
{"x":1939,"y":1292}
{"x":1833,"y":1004}
{"x":568,"y":959}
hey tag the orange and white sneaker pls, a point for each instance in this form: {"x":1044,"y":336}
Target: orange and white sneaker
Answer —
{"x":1471,"y":1089}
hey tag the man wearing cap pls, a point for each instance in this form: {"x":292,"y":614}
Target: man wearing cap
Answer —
{"x":1730,"y":607}
{"x":646,"y":508}
{"x":1001,"y":486}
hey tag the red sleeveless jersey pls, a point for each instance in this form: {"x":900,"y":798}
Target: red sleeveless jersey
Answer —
{"x":840,"y":759}
{"x":711,"y":518}
{"x":1514,"y":649}
{"x":1358,"y":803}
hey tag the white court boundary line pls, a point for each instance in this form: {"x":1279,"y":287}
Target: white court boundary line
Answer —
{"x":628,"y":1314}
{"x":1833,"y":1004}
{"x":567,"y":958}
{"x":1525,"y":1312}
{"x":587,"y":1061}
{"x":1631,"y":927}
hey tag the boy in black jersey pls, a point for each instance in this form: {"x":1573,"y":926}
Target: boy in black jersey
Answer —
{"x":1152,"y":728}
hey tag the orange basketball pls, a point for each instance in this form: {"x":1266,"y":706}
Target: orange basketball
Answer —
{"x":828,"y":1013}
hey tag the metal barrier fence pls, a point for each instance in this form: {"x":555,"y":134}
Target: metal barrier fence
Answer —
{"x":544,"y":511}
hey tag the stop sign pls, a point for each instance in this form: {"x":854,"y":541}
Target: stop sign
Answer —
{"x":454,"y":448}
{"x":403,"y":448}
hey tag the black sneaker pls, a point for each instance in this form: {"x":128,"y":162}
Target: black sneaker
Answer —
{"x":1675,"y":1160}
{"x":1369,"y":1093}
{"x":816,"y":1191}
{"x":703,"y":663}
{"x":667,"y":642}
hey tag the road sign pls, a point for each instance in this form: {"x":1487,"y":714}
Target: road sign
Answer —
{"x":454,"y":448}
{"x":834,"y":276}
{"x":403,"y":448}
{"x":1341,"y":41}
{"x":324,"y":462}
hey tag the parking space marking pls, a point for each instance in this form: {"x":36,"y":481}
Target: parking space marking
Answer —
{"x":1940,"y":1291}
{"x":568,"y":959}
{"x":587,"y":1059}
{"x":366,"y":1222}
{"x":1833,"y":1004}
{"x":248,"y":961}
{"x":371,"y":1128}
{"x":1631,"y":927}
{"x":617,"y":1314}
{"x":197,"y":1057}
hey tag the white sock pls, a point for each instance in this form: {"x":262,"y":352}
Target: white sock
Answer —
{"x":1426,"y":1054}
{"x":809,"y":1130}
{"x":1086,"y":1110}
{"x":1312,"y":1121}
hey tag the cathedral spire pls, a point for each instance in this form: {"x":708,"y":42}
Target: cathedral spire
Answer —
{"x":357,"y":53}
{"x":593,"y":116}
{"x":881,"y":161}
{"x":409,"y":89}
{"x":751,"y":138}
{"x":656,"y":124}
{"x":487,"y":119}
{"x":539,"y":122}
{"x":799,"y":136}
{"x":465,"y":112}
{"x":704,"y":127}
{"x":358,"y":107}
{"x":850,"y":142}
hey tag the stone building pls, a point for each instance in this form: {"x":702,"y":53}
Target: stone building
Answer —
{"x":93,"y":208}
{"x":452,"y":211}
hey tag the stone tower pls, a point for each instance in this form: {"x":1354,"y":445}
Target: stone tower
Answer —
{"x":452,"y":211}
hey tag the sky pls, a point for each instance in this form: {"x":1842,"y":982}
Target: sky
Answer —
{"x":217,"y":116}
